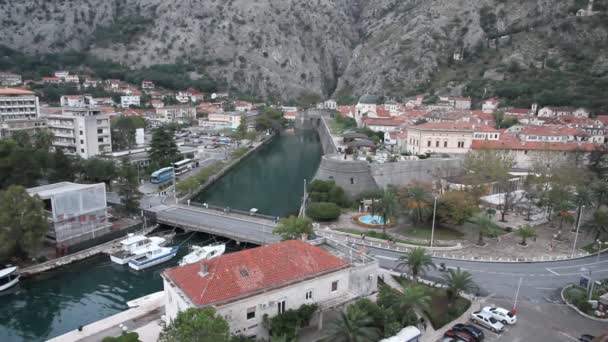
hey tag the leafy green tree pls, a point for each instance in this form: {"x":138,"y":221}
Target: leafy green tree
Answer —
{"x":23,"y":223}
{"x":22,"y":139}
{"x":292,"y":227}
{"x":163,"y":149}
{"x":196,"y":325}
{"x":323,"y":211}
{"x":599,"y":191}
{"x":269,"y":118}
{"x":458,"y":281}
{"x":123,"y":131}
{"x":418,"y":203}
{"x":97,"y":170}
{"x":64,"y":168}
{"x":127,"y":187}
{"x":524,"y":233}
{"x":241,"y":130}
{"x":128,"y":337}
{"x":457,"y":207}
{"x":598,"y":226}
{"x":583,"y":197}
{"x":327,"y":191}
{"x":485,"y":226}
{"x":417,"y":261}
{"x":43,"y":140}
{"x":354,"y":325}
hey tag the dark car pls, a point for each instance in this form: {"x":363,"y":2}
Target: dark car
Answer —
{"x":586,"y":338}
{"x":460,"y":335}
{"x":471,"y":329}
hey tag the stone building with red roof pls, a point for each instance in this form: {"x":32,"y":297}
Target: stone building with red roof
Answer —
{"x":247,"y":285}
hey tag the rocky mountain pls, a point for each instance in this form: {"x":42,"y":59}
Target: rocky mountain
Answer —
{"x":292,"y":48}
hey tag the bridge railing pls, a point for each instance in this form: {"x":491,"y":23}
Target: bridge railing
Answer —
{"x":232,"y":210}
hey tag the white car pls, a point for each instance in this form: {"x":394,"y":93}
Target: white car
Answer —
{"x":502,"y":315}
{"x":487,"y":320}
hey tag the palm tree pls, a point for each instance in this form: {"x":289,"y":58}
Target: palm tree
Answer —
{"x":485,"y":225}
{"x":387,"y":207}
{"x":599,"y":190}
{"x":354,"y":325}
{"x":582,"y":197}
{"x":414,"y":298}
{"x":525,"y":232}
{"x":417,"y":261}
{"x":418,"y":203}
{"x":598,"y":227}
{"x":458,"y":281}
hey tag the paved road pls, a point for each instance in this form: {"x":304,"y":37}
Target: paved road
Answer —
{"x":541,"y":282}
{"x":229,"y":225}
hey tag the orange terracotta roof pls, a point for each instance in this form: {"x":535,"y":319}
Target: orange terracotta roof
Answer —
{"x":15,"y":91}
{"x":511,"y":142}
{"x":249,"y":272}
{"x":552,"y":131}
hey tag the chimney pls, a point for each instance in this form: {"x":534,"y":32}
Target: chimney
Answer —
{"x":204,"y":270}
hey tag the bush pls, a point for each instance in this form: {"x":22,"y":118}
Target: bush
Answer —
{"x":323,"y":211}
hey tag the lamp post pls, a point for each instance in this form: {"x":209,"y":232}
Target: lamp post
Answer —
{"x":433,"y":225}
{"x":578,"y":226}
{"x":599,"y":250}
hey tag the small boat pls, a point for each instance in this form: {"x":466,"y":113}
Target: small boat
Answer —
{"x":8,"y":278}
{"x":200,"y":253}
{"x":153,"y":257}
{"x":135,"y":246}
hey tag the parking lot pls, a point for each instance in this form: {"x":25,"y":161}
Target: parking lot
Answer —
{"x":543,"y":322}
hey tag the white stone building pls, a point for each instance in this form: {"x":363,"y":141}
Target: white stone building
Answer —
{"x":447,"y":137}
{"x":8,"y":79}
{"x":19,"y":111}
{"x":489,"y":105}
{"x":81,"y":131}
{"x":127,"y":101}
{"x":176,"y":113}
{"x":245,"y":286}
{"x":76,"y":101}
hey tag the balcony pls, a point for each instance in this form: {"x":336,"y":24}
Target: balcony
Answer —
{"x":64,"y":143}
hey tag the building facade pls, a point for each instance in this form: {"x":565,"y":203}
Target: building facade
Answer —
{"x":81,"y":131}
{"x":19,"y":111}
{"x":8,"y":79}
{"x":177,"y":113}
{"x":127,"y":101}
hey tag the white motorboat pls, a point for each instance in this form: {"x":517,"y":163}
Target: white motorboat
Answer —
{"x":153,"y":257}
{"x":203,"y":253}
{"x":8,"y":278}
{"x":135,"y":246}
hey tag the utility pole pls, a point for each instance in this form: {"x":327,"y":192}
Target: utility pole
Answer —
{"x":433,"y":226}
{"x":514,"y":310}
{"x":174,"y":188}
{"x":578,"y":226}
{"x":599,"y":250}
{"x":304,"y":197}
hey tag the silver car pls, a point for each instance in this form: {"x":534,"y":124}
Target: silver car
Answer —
{"x":486,"y":320}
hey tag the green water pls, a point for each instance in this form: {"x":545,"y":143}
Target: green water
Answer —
{"x":272,"y":179}
{"x":56,"y":302}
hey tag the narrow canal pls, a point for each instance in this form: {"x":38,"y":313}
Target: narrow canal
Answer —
{"x":56,"y":302}
{"x":271,"y":180}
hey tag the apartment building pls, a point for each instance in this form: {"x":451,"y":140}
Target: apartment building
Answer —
{"x":176,"y":113}
{"x":8,"y":79}
{"x":81,"y":131}
{"x":76,"y":100}
{"x":447,"y":137}
{"x":127,"y":101}
{"x":19,"y":111}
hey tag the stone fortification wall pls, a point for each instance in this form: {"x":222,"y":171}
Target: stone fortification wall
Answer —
{"x":354,"y":176}
{"x":406,"y":172}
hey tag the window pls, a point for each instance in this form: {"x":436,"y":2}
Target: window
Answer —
{"x":81,"y":132}
{"x":100,"y":140}
{"x":352,"y":180}
{"x":244,"y":272}
{"x":437,"y":143}
{"x":445,"y":144}
{"x":251,"y":312}
{"x":281,"y":306}
{"x":81,"y":141}
{"x":428,"y":143}
{"x":99,"y":131}
{"x":461,"y":144}
{"x":334,"y":286}
{"x":82,"y":150}
{"x":309,"y":295}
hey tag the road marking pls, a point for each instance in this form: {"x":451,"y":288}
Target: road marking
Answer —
{"x":568,"y":336}
{"x":546,"y":288}
{"x":385,"y":257}
{"x":593,"y":263}
{"x":552,"y":271}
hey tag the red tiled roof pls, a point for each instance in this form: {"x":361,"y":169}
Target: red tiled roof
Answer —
{"x":517,"y":110}
{"x":454,"y":126}
{"x":383,"y":112}
{"x":552,"y":131}
{"x":511,"y":142}
{"x":15,"y":91}
{"x":383,"y":121}
{"x":273,"y":265}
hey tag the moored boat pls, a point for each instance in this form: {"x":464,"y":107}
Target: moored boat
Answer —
{"x":135,"y":246}
{"x":153,"y":257}
{"x":202,"y":253}
{"x":8,"y":278}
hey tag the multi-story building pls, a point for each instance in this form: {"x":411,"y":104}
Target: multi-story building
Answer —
{"x":81,"y":131}
{"x":247,"y":286}
{"x":127,"y":101}
{"x":447,"y":137}
{"x":75,"y":212}
{"x":147,"y":85}
{"x":19,"y":111}
{"x":228,"y":119}
{"x":8,"y":79}
{"x":76,"y":100}
{"x":176,"y":113}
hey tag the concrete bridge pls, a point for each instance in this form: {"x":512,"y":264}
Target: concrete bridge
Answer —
{"x":239,"y":227}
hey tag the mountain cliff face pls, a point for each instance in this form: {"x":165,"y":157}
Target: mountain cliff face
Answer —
{"x":290,"y":48}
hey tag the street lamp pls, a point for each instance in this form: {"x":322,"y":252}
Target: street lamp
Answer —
{"x":599,"y":250}
{"x":433,"y":226}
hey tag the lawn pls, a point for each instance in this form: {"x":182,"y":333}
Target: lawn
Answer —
{"x":440,"y":312}
{"x":382,"y":236}
{"x":424,"y":232}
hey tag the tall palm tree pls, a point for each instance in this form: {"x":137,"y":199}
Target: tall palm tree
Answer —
{"x":582,"y":197}
{"x":419,"y":203}
{"x":387,"y":207}
{"x":458,"y":281}
{"x":598,"y":226}
{"x":354,"y":325}
{"x":413,"y":299}
{"x":485,"y":225}
{"x":524,"y":233}
{"x":599,"y":191}
{"x":417,"y":261}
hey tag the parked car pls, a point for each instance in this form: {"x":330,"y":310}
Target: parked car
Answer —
{"x":586,"y":338}
{"x":501,"y":314}
{"x":487,"y":320}
{"x":471,"y":329}
{"x":459,"y":336}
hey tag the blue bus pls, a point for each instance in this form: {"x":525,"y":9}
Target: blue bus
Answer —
{"x":162,"y":175}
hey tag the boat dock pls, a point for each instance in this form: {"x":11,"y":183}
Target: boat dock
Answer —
{"x":105,"y":248}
